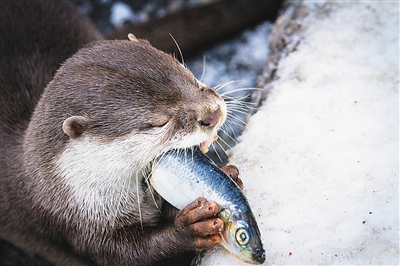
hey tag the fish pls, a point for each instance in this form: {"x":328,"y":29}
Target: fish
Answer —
{"x":198,"y":176}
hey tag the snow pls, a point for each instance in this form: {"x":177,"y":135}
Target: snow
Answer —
{"x":231,"y":60}
{"x":139,"y":11}
{"x":320,"y":159}
{"x":122,"y":13}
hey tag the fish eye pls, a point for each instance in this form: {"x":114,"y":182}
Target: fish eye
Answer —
{"x":242,"y":236}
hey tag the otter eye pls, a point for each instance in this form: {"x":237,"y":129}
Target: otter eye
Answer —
{"x":158,"y":120}
{"x":242,"y":236}
{"x":160,"y":124}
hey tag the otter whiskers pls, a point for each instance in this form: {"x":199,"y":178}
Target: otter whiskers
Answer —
{"x":239,"y":108}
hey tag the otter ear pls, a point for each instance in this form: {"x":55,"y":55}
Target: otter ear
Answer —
{"x":74,"y":126}
{"x":132,"y":37}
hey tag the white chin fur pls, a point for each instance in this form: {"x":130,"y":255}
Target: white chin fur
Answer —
{"x":89,"y":163}
{"x":189,"y":141}
{"x":101,"y":174}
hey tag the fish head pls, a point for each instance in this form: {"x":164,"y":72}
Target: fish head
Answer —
{"x":241,"y":236}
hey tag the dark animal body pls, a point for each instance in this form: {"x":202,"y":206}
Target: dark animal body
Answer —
{"x":74,"y":148}
{"x":200,"y":27}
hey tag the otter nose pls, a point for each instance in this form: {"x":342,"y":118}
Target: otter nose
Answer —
{"x":212,"y":120}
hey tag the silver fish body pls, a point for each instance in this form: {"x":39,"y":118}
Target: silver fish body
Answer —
{"x":181,"y":176}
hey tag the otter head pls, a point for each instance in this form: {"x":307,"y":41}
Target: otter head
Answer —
{"x":110,"y":110}
{"x":125,"y":101}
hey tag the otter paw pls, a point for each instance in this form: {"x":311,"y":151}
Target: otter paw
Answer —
{"x":197,"y":223}
{"x":233,"y":172}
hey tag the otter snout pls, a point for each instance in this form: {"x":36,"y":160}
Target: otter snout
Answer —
{"x":212,"y":120}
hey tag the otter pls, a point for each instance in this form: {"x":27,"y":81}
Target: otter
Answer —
{"x":82,"y":119}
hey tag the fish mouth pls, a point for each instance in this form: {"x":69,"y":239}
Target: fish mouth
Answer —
{"x":259,"y":256}
{"x":205,"y":145}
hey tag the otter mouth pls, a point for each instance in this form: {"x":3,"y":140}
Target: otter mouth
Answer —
{"x":205,"y":145}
